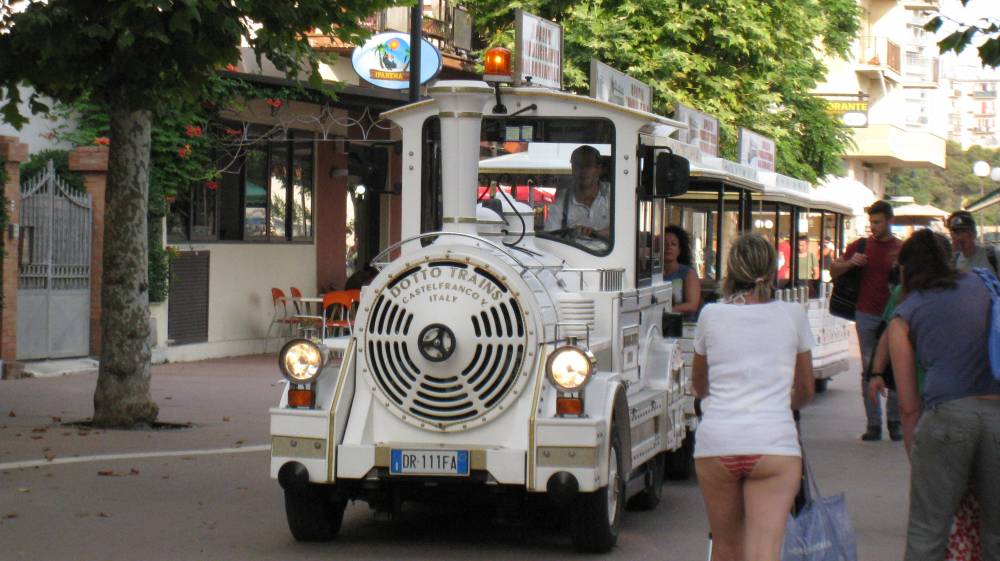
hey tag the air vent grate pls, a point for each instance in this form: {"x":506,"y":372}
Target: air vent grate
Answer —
{"x":446,"y":343}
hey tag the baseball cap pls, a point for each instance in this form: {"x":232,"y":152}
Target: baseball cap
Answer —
{"x":961,"y":220}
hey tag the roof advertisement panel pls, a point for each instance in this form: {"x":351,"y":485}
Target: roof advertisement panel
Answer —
{"x":703,"y":129}
{"x":613,"y":86}
{"x":539,"y":46}
{"x":757,"y":150}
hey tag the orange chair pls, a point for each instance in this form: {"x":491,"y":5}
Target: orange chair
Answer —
{"x":296,"y":298}
{"x":355,"y":294}
{"x":280,"y":317}
{"x":338,"y":311}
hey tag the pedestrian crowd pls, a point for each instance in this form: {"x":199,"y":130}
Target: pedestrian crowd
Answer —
{"x":923,"y":316}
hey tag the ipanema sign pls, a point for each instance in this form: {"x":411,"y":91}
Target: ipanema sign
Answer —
{"x":384,"y":61}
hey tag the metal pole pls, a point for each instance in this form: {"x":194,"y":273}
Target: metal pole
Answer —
{"x":416,"y":23}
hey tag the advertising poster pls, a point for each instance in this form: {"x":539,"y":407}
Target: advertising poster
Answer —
{"x":703,"y":129}
{"x":757,"y":150}
{"x":538,"y":44}
{"x":616,"y":87}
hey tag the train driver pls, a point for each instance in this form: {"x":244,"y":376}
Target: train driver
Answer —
{"x":588,"y":212}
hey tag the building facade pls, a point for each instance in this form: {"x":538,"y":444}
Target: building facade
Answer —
{"x":891,"y":80}
{"x":972,"y":98}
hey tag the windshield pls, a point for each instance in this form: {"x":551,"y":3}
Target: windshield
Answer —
{"x":560,"y":167}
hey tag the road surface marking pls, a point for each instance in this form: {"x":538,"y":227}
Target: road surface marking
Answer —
{"x":133,"y":456}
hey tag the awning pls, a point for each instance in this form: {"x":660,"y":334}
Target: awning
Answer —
{"x":985,"y":202}
{"x":847,"y":191}
{"x":920,"y":210}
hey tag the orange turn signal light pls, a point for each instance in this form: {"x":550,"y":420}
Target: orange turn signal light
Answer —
{"x":496,"y":65}
{"x":301,"y":398}
{"x":569,"y":406}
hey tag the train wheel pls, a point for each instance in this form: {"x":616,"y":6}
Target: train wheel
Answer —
{"x":312,"y":517}
{"x":650,"y":496}
{"x":821,"y":384}
{"x":680,"y":462}
{"x":597,"y":516}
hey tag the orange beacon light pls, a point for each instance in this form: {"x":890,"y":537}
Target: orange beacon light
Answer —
{"x":496,"y":65}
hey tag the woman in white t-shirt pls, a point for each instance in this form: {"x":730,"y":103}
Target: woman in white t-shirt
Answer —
{"x":752,"y":367}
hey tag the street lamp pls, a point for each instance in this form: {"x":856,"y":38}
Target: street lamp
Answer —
{"x":982,"y":169}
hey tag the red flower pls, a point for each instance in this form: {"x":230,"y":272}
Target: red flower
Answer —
{"x":274,"y":102}
{"x":233,"y":132}
{"x":102,"y":141}
{"x":192,"y":131}
{"x":231,"y":67}
{"x":211,"y":185}
{"x":184,"y":151}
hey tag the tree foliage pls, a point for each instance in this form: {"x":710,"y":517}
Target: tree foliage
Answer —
{"x":749,"y":63}
{"x":987,"y":29}
{"x":953,"y":187}
{"x":135,"y":57}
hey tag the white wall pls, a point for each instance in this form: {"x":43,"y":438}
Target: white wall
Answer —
{"x":240,"y":281}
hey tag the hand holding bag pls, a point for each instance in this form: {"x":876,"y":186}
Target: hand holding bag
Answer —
{"x":822,"y":530}
{"x":846,"y":288}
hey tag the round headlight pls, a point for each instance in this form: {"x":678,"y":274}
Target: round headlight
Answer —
{"x":570,"y":367}
{"x":300,"y":361}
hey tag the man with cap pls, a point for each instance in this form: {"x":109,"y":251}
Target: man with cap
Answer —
{"x":968,"y":253}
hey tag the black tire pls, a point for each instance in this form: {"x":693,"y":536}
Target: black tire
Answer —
{"x":821,"y":384}
{"x":312,"y":516}
{"x":680,"y":462}
{"x":595,"y":521}
{"x":649,"y":497}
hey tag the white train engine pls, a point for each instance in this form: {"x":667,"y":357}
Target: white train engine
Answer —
{"x":498,"y":353}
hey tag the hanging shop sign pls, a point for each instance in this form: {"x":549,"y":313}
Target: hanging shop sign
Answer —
{"x":757,"y":150}
{"x":852,"y":113}
{"x":539,"y":46}
{"x":616,"y":87}
{"x":703,"y":129}
{"x":384,"y":61}
{"x":462,"y":29}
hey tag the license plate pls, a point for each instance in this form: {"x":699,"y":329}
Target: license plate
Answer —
{"x":429,"y":462}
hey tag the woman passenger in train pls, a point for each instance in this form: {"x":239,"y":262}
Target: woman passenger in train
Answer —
{"x":677,"y":266}
{"x":752,"y":366}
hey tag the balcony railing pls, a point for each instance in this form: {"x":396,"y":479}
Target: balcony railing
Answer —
{"x":984,"y":94}
{"x":880,"y":51}
{"x":922,"y":68}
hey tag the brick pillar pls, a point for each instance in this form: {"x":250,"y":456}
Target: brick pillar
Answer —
{"x":12,"y":153}
{"x":92,"y":163}
{"x":331,"y":208}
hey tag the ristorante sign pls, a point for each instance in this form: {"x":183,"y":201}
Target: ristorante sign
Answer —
{"x":384,"y":61}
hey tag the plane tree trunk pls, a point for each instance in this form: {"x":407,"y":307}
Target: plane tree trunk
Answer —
{"x":122,"y":398}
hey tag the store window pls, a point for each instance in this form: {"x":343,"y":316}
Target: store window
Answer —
{"x":263,"y":194}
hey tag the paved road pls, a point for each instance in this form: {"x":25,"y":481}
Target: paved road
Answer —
{"x":203,"y":492}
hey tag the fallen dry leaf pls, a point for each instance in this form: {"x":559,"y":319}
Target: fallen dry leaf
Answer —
{"x":133,"y":471}
{"x":109,"y":473}
{"x":10,"y":515}
{"x":83,"y":433}
{"x":39,"y":429}
{"x":50,"y":457}
{"x":239,"y":443}
{"x":23,"y":490}
{"x":103,"y":515}
{"x":57,"y":419}
{"x":37,"y":437}
{"x":225,"y":419}
{"x":11,"y":414}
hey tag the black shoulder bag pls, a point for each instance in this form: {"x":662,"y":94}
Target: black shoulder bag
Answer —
{"x":846,"y":287}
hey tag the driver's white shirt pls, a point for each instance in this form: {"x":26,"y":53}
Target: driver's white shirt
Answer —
{"x":597,"y":216}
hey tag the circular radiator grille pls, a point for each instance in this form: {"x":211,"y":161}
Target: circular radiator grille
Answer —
{"x":446,"y":343}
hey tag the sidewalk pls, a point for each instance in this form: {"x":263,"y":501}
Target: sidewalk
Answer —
{"x":225,"y":402}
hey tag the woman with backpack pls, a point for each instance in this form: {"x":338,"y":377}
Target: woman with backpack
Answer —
{"x":952,"y":430}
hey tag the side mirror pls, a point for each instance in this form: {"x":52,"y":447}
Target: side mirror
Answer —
{"x":664,"y":174}
{"x":672,"y":174}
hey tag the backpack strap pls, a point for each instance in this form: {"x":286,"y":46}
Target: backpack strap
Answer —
{"x":991,"y":282}
{"x":991,"y":256}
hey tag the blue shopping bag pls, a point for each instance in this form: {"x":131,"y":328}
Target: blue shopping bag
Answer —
{"x":822,"y":530}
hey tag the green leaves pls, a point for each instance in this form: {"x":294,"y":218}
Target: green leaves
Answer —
{"x":751,"y":63}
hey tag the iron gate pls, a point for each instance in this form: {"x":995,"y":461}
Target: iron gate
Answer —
{"x":53,"y":289}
